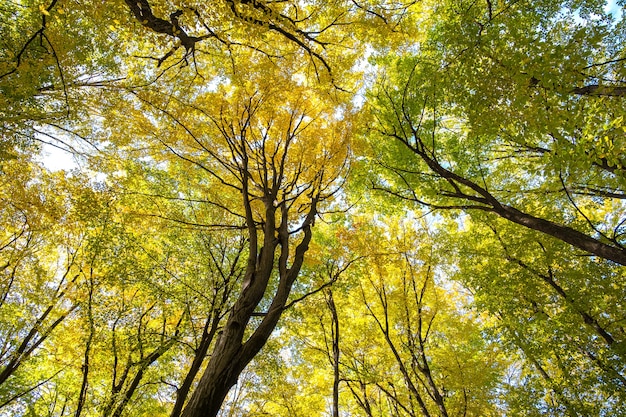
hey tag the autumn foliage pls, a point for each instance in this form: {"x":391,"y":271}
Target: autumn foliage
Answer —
{"x":302,"y":208}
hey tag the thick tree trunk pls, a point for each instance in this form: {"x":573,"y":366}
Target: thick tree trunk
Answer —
{"x":231,"y":354}
{"x":213,"y":387}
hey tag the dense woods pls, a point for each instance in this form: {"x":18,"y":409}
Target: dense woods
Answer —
{"x":312,"y":208}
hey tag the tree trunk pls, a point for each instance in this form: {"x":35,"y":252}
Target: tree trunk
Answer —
{"x":600,"y":90}
{"x":231,"y":355}
{"x":222,"y":373}
{"x":336,"y":352}
{"x":489,"y":202}
{"x":564,"y":233}
{"x":207,"y":337}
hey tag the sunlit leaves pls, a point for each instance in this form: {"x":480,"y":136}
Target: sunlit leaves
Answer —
{"x":203,"y":129}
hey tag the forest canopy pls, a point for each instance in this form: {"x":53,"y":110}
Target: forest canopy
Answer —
{"x":312,"y":208}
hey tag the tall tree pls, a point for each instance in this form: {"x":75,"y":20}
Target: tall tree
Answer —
{"x":469,"y":127}
{"x":471,"y":118}
{"x":209,"y":138}
{"x":268,"y":154}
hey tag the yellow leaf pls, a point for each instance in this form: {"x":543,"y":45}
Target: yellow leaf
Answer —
{"x":43,"y":10}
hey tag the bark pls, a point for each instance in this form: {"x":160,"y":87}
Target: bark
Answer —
{"x":85,"y":369}
{"x":211,"y":325}
{"x":207,"y":337}
{"x":480,"y":198}
{"x":143,"y":12}
{"x":231,"y":354}
{"x":335,"y":354}
{"x":564,"y":233}
{"x":600,"y":90}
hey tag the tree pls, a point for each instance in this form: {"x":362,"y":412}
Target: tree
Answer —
{"x":251,"y":147}
{"x":553,"y":308}
{"x":390,"y":208}
{"x":437,"y":361}
{"x":385,"y":365}
{"x":497,"y":125}
{"x":40,"y":269}
{"x":470,"y":129}
{"x":58,"y":57}
{"x":434,"y":107}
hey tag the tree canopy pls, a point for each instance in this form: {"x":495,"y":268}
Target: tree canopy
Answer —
{"x":297,"y":208}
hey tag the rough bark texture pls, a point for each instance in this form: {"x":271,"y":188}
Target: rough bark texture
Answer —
{"x":231,"y":353}
{"x":566,"y":234}
{"x":143,"y":12}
